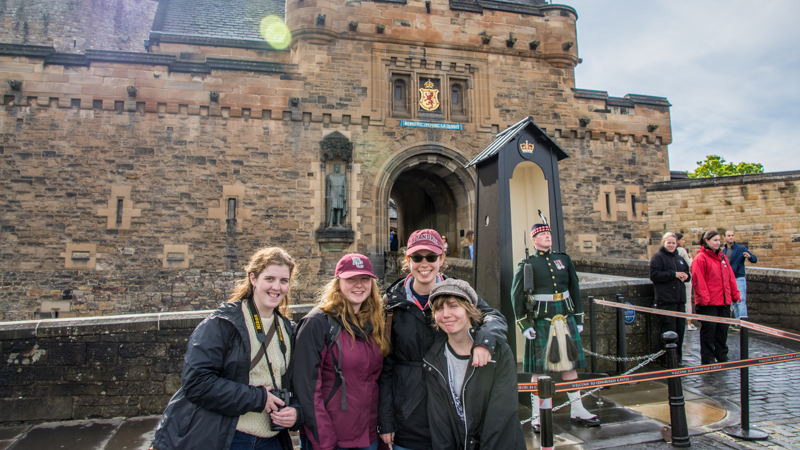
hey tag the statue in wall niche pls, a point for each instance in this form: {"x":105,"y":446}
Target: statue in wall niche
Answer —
{"x":336,"y":197}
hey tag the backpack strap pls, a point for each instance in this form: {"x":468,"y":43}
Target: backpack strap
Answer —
{"x":333,"y":338}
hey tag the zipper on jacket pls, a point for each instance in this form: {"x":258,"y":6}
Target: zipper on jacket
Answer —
{"x":464,"y":407}
{"x":463,"y":402}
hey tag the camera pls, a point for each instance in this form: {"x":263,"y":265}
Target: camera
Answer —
{"x":285,"y":396}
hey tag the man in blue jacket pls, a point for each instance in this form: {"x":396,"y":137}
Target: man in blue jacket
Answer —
{"x":736,"y":255}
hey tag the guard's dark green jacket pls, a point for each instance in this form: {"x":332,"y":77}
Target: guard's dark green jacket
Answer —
{"x":552,"y":272}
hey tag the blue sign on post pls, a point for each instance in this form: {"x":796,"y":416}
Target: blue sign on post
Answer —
{"x":630,"y":315}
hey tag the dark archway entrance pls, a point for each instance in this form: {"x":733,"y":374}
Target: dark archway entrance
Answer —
{"x":430,"y":189}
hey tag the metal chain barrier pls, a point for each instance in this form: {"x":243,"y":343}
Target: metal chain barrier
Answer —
{"x":647,"y":360}
{"x":618,"y":359}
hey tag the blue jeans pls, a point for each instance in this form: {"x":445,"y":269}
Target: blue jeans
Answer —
{"x":244,"y":441}
{"x":740,"y":309}
{"x":305,"y":444}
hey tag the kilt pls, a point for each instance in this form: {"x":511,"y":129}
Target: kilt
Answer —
{"x":533,"y":360}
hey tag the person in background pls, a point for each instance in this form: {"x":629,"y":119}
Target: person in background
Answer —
{"x":336,"y":373}
{"x":467,"y":246}
{"x":403,"y":409}
{"x":714,"y":287}
{"x":668,"y":272}
{"x":226,"y":400}
{"x":445,"y":246}
{"x":684,"y":253}
{"x":468,"y":407}
{"x":393,"y":241}
{"x":736,"y":255}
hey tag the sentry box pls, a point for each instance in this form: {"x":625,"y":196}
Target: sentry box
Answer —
{"x":517,"y":176}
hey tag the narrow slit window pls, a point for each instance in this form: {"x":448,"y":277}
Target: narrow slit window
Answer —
{"x":608,"y":203}
{"x":231,"y":208}
{"x":175,"y":257}
{"x":633,"y":204}
{"x":119,"y":210}
{"x":399,"y":101}
{"x":457,"y":99}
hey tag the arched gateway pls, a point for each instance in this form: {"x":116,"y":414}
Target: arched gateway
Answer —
{"x":431,"y":189}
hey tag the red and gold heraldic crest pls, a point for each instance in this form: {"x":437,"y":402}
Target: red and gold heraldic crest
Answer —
{"x":526,"y":147}
{"x":429,"y":97}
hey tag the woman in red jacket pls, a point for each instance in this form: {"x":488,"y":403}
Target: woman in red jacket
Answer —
{"x":715,"y":289}
{"x":338,"y":357}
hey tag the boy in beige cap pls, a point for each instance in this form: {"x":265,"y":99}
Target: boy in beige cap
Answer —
{"x":466,"y":404}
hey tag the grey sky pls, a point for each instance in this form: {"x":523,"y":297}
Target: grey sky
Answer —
{"x":730,"y":68}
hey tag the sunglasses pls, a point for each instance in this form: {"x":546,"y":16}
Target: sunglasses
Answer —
{"x":431,"y":258}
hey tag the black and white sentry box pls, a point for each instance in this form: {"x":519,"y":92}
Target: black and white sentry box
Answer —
{"x":517,"y":176}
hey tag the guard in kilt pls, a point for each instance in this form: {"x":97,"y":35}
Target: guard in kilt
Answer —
{"x":551,"y":319}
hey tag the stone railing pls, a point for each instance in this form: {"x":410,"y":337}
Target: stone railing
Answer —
{"x":773,"y":295}
{"x":93,"y":367}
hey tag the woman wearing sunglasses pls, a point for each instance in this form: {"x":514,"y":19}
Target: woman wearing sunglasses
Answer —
{"x":402,"y":409}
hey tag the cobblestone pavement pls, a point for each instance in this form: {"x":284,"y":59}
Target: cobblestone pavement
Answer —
{"x":774,"y":399}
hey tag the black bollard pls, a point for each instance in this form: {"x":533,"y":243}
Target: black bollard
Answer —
{"x":592,"y":333}
{"x":622,"y":345}
{"x":677,"y":410}
{"x":744,"y":431}
{"x":546,"y":388}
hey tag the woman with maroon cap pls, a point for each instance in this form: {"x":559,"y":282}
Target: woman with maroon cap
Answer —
{"x":339,"y":355}
{"x":403,"y":408}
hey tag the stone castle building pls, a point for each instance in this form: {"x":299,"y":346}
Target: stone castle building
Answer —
{"x":149,"y":147}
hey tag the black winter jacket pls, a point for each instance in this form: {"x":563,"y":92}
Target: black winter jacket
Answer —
{"x":215,"y":387}
{"x":667,"y":286}
{"x":402,"y":408}
{"x":489,"y":399}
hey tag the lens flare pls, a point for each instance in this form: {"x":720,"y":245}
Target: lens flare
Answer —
{"x":275,"y":32}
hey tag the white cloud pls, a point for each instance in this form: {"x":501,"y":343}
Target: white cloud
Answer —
{"x":730,"y":69}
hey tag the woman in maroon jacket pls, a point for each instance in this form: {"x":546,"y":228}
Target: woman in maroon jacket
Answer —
{"x":339,"y":353}
{"x":715,"y":289}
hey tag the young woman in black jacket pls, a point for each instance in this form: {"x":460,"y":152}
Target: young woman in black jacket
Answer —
{"x":402,"y":409}
{"x":468,"y":407}
{"x":668,"y":272}
{"x":226,"y":400}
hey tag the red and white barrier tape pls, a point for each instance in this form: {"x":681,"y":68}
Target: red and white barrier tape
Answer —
{"x":702,"y":318}
{"x":664,"y":374}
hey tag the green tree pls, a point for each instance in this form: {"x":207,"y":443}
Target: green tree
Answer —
{"x":715,"y":166}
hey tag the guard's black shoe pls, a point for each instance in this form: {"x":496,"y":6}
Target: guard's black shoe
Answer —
{"x":593,"y":422}
{"x":536,"y":428}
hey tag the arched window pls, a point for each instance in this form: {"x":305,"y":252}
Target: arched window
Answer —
{"x":400,"y":95}
{"x":458,"y":109}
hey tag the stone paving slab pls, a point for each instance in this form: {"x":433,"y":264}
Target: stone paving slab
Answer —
{"x":73,"y":435}
{"x":134,"y":434}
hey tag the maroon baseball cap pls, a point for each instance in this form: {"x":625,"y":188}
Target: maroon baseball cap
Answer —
{"x":425,"y":240}
{"x":353,"y":265}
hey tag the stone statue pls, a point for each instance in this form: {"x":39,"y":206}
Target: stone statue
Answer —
{"x":336,"y":196}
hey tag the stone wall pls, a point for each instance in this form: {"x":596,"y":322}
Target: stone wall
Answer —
{"x":117,"y":366}
{"x":642,"y":337}
{"x":118,"y":168}
{"x":773,"y":295}
{"x":762,"y":209}
{"x":76,"y":369}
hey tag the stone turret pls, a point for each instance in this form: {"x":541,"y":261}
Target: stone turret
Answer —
{"x":531,"y":29}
